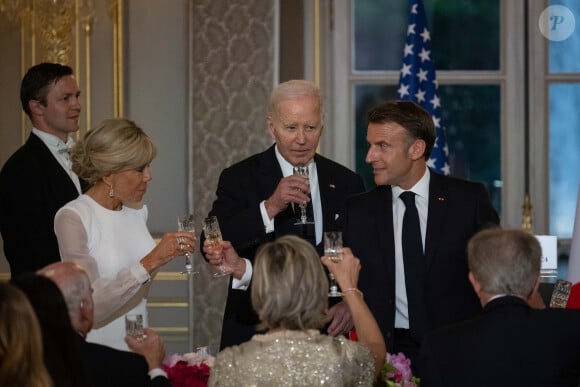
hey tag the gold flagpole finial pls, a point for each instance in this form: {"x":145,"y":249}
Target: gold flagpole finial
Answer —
{"x":527,"y":214}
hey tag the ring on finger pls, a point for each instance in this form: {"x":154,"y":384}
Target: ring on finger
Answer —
{"x":181,"y":246}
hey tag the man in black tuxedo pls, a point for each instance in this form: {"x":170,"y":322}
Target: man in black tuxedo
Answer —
{"x":37,"y":179}
{"x":257,"y":199}
{"x":411,"y":297}
{"x":509,"y":343}
{"x":106,"y":366}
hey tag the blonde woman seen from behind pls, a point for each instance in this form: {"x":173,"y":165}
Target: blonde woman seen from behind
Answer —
{"x":21,"y":354}
{"x":289,"y":293}
{"x":105,"y":230}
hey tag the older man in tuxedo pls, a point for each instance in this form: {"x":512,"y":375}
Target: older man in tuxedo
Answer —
{"x":509,"y":343}
{"x":37,"y":179}
{"x":258,"y":199}
{"x":410,"y":232}
{"x":107,"y":366}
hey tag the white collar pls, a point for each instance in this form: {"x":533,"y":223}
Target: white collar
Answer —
{"x":53,"y":141}
{"x":421,"y":188}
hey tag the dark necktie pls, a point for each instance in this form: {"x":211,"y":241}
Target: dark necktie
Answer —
{"x":308,"y":231}
{"x":414,"y":262}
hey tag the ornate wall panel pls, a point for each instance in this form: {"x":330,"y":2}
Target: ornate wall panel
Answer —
{"x":231,"y":76}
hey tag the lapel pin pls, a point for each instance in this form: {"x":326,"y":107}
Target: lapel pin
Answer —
{"x":332,"y":185}
{"x":441,"y":198}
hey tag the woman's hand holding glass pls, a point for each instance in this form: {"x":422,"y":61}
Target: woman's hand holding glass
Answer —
{"x":345,"y":271}
{"x":171,"y":245}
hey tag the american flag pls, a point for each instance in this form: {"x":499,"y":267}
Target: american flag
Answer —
{"x":417,"y":81}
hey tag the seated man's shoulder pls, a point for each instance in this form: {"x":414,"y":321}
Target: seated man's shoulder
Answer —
{"x":571,"y":316}
{"x":112,"y":354}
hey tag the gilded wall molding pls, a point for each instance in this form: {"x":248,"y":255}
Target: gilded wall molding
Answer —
{"x":60,"y":32}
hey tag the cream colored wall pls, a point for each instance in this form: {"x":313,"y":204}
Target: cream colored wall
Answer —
{"x":155,"y":64}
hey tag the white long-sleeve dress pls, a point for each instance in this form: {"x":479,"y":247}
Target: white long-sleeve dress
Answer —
{"x":108,"y":245}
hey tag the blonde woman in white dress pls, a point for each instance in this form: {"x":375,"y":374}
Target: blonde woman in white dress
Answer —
{"x":105,"y":229}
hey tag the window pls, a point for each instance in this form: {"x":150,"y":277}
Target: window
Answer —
{"x":479,"y":52}
{"x":563,"y":84}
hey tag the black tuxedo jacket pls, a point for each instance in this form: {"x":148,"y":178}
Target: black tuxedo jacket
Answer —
{"x":33,"y":186}
{"x":109,"y":367}
{"x":508,"y":344}
{"x":457,"y":210}
{"x":241,"y":189}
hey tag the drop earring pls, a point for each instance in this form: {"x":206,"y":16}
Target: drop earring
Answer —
{"x":111,"y":192}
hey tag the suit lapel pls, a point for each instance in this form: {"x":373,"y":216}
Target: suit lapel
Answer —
{"x":269,"y":172}
{"x":384,"y":226}
{"x":62,"y":184}
{"x":269,"y":176}
{"x":327,"y":187}
{"x":436,"y":216}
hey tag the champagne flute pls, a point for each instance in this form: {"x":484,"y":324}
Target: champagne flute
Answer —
{"x":187,"y":223}
{"x":333,"y":251}
{"x":302,"y":170}
{"x":213,"y":236}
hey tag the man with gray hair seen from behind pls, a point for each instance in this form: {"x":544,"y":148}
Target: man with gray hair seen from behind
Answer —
{"x":509,"y":343}
{"x":106,"y":366}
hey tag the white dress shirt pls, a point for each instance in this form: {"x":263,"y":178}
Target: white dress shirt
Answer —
{"x":287,"y":170}
{"x":421,"y":190}
{"x":60,"y":153}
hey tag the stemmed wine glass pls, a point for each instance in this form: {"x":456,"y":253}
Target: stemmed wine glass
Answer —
{"x":187,"y":223}
{"x":302,"y":170}
{"x":213,"y":236}
{"x":333,"y":251}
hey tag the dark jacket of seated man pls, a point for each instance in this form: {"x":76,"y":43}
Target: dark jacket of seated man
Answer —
{"x":509,"y":343}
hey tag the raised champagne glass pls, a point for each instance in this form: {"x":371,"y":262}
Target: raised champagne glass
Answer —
{"x":213,"y":236}
{"x":333,"y":251}
{"x":302,"y":170}
{"x":187,"y":223}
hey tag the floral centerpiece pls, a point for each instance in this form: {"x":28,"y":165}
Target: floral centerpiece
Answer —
{"x":397,"y":372}
{"x":188,"y":370}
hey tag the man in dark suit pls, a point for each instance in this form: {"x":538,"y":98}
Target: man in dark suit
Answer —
{"x":37,"y":179}
{"x":257,"y":199}
{"x":509,"y":343}
{"x":106,"y":366}
{"x":411,"y":297}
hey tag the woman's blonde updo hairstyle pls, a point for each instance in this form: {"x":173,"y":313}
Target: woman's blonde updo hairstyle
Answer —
{"x":289,"y":286}
{"x":116,"y":144}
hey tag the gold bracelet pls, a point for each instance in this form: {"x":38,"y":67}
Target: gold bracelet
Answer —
{"x":353,"y":290}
